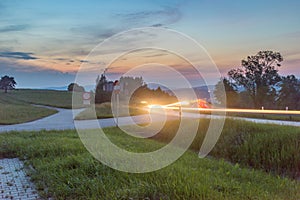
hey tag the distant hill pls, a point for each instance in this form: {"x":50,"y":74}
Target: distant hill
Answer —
{"x":63,"y":88}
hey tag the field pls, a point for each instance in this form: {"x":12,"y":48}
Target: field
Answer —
{"x":60,"y":99}
{"x":17,"y":106}
{"x":13,"y":111}
{"x":104,"y":111}
{"x":63,"y":168}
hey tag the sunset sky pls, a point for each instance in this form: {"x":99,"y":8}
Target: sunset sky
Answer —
{"x":43,"y":42}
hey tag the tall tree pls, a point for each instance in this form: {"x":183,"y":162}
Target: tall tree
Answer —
{"x":101,"y":94}
{"x":289,"y":94}
{"x":259,"y":76}
{"x":7,"y":83}
{"x":225,"y":93}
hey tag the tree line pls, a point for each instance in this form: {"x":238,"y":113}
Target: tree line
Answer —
{"x":257,"y":84}
{"x":133,"y":88}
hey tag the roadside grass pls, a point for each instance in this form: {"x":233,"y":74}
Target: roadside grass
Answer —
{"x":102,"y":111}
{"x":63,"y":169}
{"x":13,"y":111}
{"x":283,"y":117}
{"x":272,"y":148}
{"x":61,"y":99}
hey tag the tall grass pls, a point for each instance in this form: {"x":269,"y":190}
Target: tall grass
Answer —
{"x":272,"y":148}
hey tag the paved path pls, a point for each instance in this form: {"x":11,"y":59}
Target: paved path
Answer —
{"x":14,"y":184}
{"x":64,"y":120}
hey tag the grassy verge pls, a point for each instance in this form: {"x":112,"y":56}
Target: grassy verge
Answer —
{"x":61,"y":99}
{"x":64,"y":167}
{"x":13,"y":111}
{"x":267,"y":116}
{"x":104,"y":111}
{"x":272,"y":148}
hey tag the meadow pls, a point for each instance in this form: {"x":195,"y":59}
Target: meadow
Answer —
{"x":104,"y":110}
{"x":62,"y":168}
{"x":60,"y":99}
{"x":14,"y":111}
{"x":18,"y":106}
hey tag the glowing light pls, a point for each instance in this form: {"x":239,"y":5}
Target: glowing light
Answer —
{"x":291,"y":112}
{"x":155,"y":106}
{"x":144,"y":102}
{"x":184,"y":103}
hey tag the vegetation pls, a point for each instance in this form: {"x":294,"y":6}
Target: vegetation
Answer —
{"x":226,"y":93}
{"x":272,"y":148}
{"x":281,"y":117}
{"x":289,"y":95}
{"x":103,"y":93}
{"x":13,"y":111}
{"x":258,"y":75}
{"x":104,"y":110}
{"x":74,"y":87}
{"x":257,"y":84}
{"x":7,"y":83}
{"x":61,"y":99}
{"x":63,"y":169}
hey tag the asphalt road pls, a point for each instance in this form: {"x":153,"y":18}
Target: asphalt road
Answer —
{"x":63,"y":120}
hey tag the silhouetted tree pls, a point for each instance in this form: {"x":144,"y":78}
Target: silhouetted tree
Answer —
{"x":7,"y":83}
{"x":226,"y":94}
{"x":101,"y":94}
{"x":289,"y":94}
{"x":259,"y":76}
{"x":74,"y":87}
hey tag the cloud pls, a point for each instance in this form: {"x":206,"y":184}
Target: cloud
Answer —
{"x":98,"y":32}
{"x":17,"y":55}
{"x":158,"y":18}
{"x":12,"y":28}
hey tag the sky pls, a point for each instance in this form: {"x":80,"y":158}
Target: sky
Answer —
{"x":45,"y":43}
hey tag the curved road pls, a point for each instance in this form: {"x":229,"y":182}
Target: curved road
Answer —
{"x":64,"y":120}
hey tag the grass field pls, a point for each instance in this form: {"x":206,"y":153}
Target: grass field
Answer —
{"x":272,"y":148}
{"x":61,"y":99}
{"x":104,"y":111}
{"x":14,"y":111}
{"x":63,"y":169}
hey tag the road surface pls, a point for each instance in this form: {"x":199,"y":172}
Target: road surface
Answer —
{"x":63,"y":120}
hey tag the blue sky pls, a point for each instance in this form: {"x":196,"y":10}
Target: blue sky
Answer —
{"x":43,"y":43}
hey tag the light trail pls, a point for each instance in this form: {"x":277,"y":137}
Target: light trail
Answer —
{"x":287,"y":112}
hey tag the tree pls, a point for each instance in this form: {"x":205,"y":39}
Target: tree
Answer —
{"x":130,"y":84}
{"x":258,"y":75}
{"x":101,"y":95}
{"x":230,"y":97}
{"x":74,"y":87}
{"x":289,"y":93}
{"x":7,"y":83}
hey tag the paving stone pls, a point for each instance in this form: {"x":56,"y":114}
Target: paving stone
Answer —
{"x":14,"y":183}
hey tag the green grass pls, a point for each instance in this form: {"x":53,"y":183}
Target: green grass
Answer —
{"x":13,"y":111}
{"x":63,"y":169}
{"x":104,"y":111}
{"x":272,"y":148}
{"x":283,"y":117}
{"x":61,"y":99}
